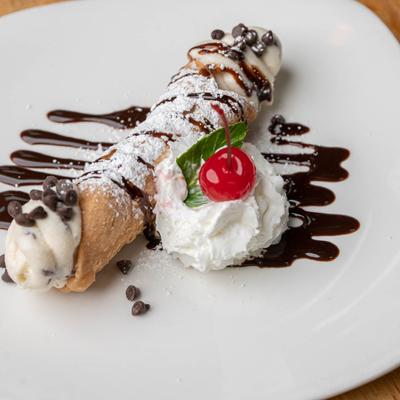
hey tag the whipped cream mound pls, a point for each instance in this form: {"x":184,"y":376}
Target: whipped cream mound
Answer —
{"x":219,"y":234}
{"x":42,"y":256}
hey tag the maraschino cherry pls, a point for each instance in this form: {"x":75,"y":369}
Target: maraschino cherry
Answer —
{"x":230,"y":173}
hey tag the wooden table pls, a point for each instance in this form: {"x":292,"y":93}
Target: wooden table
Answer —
{"x":387,"y":387}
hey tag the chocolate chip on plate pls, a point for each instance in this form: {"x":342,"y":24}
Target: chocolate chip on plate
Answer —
{"x":14,"y":208}
{"x":70,"y":198}
{"x":139,"y":308}
{"x":2,"y":261}
{"x":132,"y":292}
{"x":217,"y":34}
{"x":65,"y":213}
{"x":35,"y":194}
{"x":24,"y":220}
{"x":124,"y":266}
{"x":38,"y":213}
{"x":6,"y":278}
{"x":239,"y":30}
{"x":250,"y":37}
{"x":49,"y":182}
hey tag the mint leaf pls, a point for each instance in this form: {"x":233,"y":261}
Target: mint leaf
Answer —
{"x":190,"y":161}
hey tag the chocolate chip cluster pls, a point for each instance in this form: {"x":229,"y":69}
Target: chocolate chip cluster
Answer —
{"x":61,"y":200}
{"x":132,"y":292}
{"x":139,"y":307}
{"x":245,"y":37}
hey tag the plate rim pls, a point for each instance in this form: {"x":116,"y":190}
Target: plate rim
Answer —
{"x":363,"y":12}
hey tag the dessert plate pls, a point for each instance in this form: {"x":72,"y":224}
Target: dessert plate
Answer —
{"x":304,"y":332}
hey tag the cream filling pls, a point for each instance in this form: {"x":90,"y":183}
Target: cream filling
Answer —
{"x":42,"y":256}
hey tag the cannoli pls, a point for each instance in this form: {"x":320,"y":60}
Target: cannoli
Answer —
{"x":69,"y":232}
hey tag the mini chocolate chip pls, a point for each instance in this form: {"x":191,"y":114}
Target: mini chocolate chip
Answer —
{"x":6,"y":278}
{"x":14,"y":208}
{"x":49,"y":182}
{"x":38,"y":213}
{"x":235,"y":55}
{"x":217,"y":34}
{"x":63,"y":185}
{"x":239,"y":44}
{"x":49,"y":192}
{"x":24,"y":220}
{"x":268,"y":38}
{"x":264,"y":93}
{"x":251,"y":37}
{"x":35,"y":194}
{"x":65,"y":213}
{"x":50,"y":201}
{"x":47,"y":272}
{"x":139,"y":308}
{"x":2,"y":261}
{"x":29,"y":233}
{"x":124,"y":266}
{"x":70,"y":198}
{"x":258,"y":48}
{"x":239,"y":30}
{"x":132,"y":292}
{"x":278,"y":119}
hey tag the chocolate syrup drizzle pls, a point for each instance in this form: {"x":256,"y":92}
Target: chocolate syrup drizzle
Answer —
{"x":324,"y":164}
{"x":123,"y":119}
{"x":39,"y":137}
{"x":259,"y":82}
{"x":32,"y":159}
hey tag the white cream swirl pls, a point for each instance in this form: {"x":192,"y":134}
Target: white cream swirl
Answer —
{"x":218,"y":234}
{"x":42,"y":256}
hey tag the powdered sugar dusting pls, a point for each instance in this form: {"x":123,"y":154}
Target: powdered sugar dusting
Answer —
{"x":185,"y":104}
{"x":180,"y":117}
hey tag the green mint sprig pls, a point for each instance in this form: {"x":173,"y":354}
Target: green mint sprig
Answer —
{"x":190,"y":161}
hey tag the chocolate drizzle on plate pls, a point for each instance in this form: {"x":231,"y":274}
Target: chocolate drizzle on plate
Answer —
{"x":18,"y":176}
{"x":123,"y":119}
{"x":323,"y":163}
{"x":39,"y":137}
{"x":21,"y":174}
{"x":32,"y":159}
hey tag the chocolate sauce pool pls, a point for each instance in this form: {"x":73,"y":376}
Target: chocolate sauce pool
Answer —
{"x":323,"y":163}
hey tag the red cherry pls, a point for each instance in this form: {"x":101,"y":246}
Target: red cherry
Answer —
{"x":230,"y":173}
{"x":221,"y":183}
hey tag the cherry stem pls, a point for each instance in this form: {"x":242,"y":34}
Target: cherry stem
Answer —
{"x":221,"y":113}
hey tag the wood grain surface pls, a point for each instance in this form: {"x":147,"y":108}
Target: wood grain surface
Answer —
{"x":387,"y":387}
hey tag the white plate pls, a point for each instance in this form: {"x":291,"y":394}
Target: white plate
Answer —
{"x":304,"y":332}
